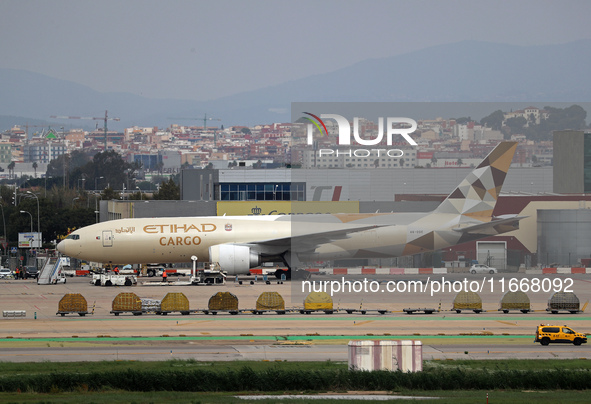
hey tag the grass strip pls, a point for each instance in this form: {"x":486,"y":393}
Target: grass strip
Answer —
{"x":278,"y":379}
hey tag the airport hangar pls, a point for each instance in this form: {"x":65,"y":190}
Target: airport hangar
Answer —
{"x":556,"y":231}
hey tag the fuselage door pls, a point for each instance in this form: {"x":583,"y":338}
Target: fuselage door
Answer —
{"x":107,"y":238}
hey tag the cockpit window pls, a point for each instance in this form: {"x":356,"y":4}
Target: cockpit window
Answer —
{"x":73,"y":237}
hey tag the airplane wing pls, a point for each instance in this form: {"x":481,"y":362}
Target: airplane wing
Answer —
{"x":310,"y":240}
{"x":500,"y":224}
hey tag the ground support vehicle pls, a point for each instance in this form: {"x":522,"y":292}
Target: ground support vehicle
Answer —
{"x":546,"y":334}
{"x":113,"y":280}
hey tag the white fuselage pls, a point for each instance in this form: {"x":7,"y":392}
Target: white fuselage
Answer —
{"x":174,"y":240}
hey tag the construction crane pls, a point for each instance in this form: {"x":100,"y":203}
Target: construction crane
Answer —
{"x":105,"y":118}
{"x":204,"y":119}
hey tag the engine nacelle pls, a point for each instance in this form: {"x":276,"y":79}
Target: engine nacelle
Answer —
{"x":234,"y":259}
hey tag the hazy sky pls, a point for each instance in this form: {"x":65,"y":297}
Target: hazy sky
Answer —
{"x":208,"y":49}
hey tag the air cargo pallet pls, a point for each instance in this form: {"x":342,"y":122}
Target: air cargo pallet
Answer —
{"x":424,"y":310}
{"x":134,"y":312}
{"x":214,"y":312}
{"x":524,"y":311}
{"x":326,"y":311}
{"x":80,"y":313}
{"x":555,"y":311}
{"x":255,"y":311}
{"x":183,"y":312}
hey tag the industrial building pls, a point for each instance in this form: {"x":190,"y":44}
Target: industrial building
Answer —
{"x":572,"y":162}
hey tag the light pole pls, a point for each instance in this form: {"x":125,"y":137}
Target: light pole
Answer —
{"x":24,"y":211}
{"x":74,"y":200}
{"x":140,"y":191}
{"x":95,"y":181}
{"x":36,"y":197}
{"x":4,"y":223}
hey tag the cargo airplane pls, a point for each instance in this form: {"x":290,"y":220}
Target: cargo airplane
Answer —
{"x":239,"y":243}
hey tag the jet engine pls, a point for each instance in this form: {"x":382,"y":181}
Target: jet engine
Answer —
{"x":234,"y":259}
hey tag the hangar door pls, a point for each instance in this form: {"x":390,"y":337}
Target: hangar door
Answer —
{"x":492,"y":253}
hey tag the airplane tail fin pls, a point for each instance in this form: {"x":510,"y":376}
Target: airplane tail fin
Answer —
{"x":477,"y":194}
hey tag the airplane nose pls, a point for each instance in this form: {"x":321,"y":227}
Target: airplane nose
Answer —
{"x":61,"y":247}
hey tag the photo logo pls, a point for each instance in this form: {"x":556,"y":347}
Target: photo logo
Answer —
{"x":310,"y":134}
{"x":394,"y":127}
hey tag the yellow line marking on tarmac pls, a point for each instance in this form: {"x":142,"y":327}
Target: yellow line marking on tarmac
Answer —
{"x":506,"y":322}
{"x":363,"y":322}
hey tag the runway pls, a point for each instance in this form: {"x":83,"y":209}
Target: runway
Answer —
{"x":262,"y":352}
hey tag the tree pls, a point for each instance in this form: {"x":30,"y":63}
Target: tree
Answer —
{"x":35,"y":168}
{"x":460,"y":162}
{"x":110,"y":165}
{"x":494,"y":120}
{"x":108,"y":194}
{"x":7,"y":195}
{"x":463,"y":120}
{"x":11,"y":168}
{"x":516,"y":124}
{"x":168,"y":191}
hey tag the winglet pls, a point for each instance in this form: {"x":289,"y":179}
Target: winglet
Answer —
{"x":477,"y":194}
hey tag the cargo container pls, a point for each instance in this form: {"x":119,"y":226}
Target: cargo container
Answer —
{"x":127,"y":302}
{"x":515,"y":301}
{"x":72,"y":303}
{"x":467,"y":301}
{"x":222,"y":301}
{"x":318,"y":301}
{"x":563,"y":301}
{"x":270,"y":301}
{"x":174,"y":301}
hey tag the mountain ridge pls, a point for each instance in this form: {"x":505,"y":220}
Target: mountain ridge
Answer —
{"x":466,"y":71}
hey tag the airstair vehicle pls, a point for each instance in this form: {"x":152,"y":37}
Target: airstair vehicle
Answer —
{"x":51,"y":272}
